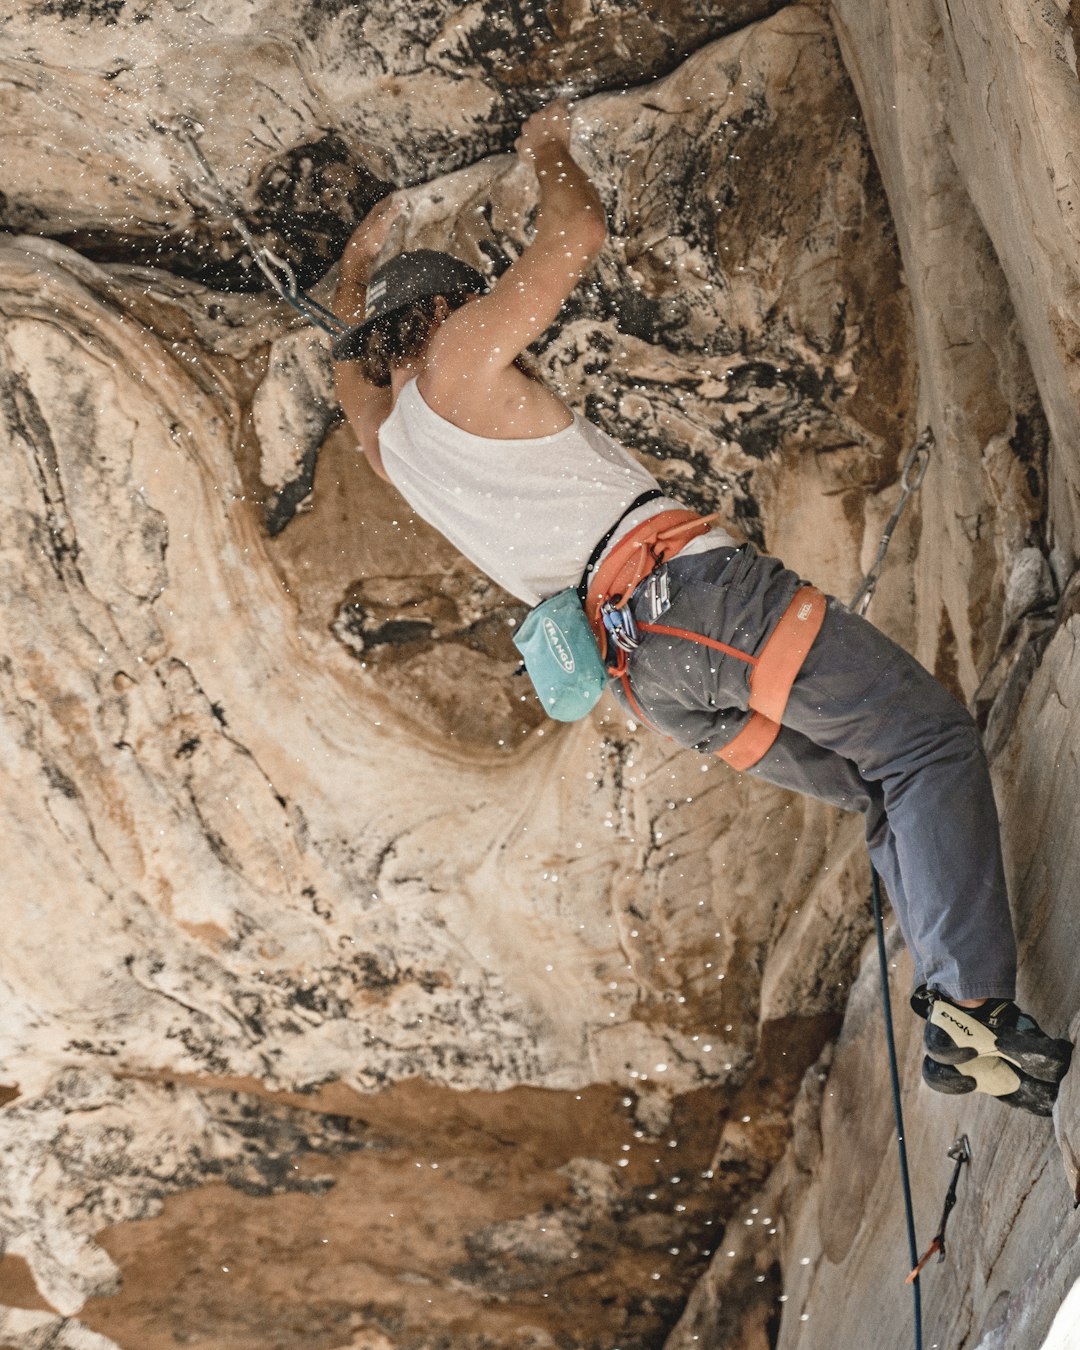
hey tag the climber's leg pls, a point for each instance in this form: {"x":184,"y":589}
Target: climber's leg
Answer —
{"x":865,"y":700}
{"x":867,"y":728}
{"x":798,"y":764}
{"x":864,"y":697}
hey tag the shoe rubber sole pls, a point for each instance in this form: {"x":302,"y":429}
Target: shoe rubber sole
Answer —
{"x":954,"y":1037}
{"x":991,"y":1075}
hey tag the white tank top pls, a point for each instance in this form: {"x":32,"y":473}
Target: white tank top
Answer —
{"x":527,"y":512}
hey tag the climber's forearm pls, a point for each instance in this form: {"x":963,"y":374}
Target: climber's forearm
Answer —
{"x":354,"y":272}
{"x":366,"y":405}
{"x":571,"y":214}
{"x":358,"y":259}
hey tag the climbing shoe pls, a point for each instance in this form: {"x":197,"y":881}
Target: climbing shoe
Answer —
{"x":995,"y":1077}
{"x":999,"y":1028}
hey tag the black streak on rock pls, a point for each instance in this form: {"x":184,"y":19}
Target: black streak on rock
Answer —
{"x":106,"y":12}
{"x":308,"y":201}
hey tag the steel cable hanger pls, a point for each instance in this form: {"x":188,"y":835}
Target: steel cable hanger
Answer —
{"x":911,"y":476}
{"x":277,"y":271}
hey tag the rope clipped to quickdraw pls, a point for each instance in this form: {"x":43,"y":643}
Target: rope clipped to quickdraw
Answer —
{"x":277,"y":271}
{"x":911,"y":477}
{"x":961,"y":1151}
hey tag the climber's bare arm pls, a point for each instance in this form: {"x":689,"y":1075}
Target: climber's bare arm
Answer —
{"x":366,"y":405}
{"x":470,"y":364}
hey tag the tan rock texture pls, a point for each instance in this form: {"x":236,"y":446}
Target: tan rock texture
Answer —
{"x":347,"y":1003}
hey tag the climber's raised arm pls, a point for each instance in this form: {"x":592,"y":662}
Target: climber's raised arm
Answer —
{"x":365,"y":404}
{"x":480,"y":341}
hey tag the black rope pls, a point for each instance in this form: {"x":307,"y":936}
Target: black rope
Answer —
{"x":894,"y":1074}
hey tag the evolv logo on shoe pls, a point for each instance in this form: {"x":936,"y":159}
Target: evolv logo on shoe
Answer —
{"x":946,"y":1016}
{"x":556,"y":640}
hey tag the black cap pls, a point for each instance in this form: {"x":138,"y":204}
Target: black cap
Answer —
{"x":402,"y":281}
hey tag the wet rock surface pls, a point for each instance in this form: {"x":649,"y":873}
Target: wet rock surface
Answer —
{"x":346,"y":1001}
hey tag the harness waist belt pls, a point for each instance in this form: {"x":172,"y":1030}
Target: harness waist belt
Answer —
{"x":773,"y":670}
{"x":638,"y":553}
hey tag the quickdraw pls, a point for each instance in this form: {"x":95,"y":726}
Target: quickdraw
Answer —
{"x":961,"y":1152}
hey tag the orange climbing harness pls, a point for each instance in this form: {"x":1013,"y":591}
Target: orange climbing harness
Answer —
{"x":772,"y":672}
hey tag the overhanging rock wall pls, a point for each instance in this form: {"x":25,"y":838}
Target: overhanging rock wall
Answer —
{"x":346,"y":1001}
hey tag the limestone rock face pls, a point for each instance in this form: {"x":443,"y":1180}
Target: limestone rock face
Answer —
{"x":347,"y":1002}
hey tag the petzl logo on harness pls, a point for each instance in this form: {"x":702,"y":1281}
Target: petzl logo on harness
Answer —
{"x":556,"y":640}
{"x":804,"y":612}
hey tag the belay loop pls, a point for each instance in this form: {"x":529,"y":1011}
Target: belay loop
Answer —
{"x":277,"y":271}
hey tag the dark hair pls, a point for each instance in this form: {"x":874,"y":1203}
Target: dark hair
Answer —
{"x":401,"y":335}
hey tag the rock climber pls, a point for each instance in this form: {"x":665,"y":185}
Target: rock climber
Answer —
{"x":689,"y":620}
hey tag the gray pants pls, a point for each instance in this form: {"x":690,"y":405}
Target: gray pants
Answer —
{"x":867,"y":729}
